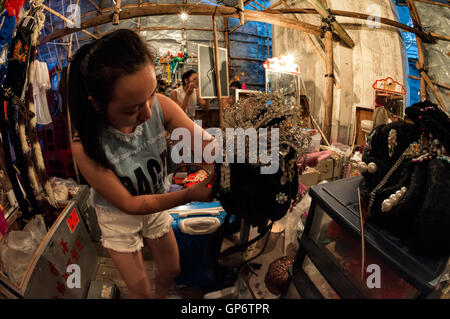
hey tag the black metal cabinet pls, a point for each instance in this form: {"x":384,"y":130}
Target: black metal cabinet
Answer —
{"x":337,"y":202}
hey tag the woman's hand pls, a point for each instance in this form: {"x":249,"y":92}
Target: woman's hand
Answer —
{"x":202,"y":192}
{"x":191,"y":88}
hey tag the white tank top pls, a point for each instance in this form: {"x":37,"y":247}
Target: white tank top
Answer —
{"x":192,"y":103}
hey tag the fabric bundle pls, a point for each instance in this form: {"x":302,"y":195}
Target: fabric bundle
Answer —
{"x":406,"y":185}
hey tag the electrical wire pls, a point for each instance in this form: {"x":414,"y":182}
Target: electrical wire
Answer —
{"x":259,"y":254}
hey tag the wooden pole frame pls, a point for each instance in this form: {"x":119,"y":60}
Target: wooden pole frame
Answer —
{"x":193,"y":9}
{"x":117,"y":9}
{"x":59,"y":15}
{"x":269,"y":15}
{"x":329,"y":16}
{"x":425,"y":77}
{"x":421,"y":64}
{"x":217,"y":70}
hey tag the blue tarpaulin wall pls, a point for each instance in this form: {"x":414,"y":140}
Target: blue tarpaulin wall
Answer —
{"x":413,"y":86}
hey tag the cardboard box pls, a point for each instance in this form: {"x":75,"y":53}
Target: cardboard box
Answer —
{"x":310,"y":177}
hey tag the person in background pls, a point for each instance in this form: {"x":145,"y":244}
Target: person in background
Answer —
{"x":187,"y":95}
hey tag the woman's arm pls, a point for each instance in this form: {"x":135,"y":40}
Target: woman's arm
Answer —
{"x":175,"y":118}
{"x":106,"y":183}
{"x":204,"y":104}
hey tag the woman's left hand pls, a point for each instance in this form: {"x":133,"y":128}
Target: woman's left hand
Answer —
{"x":202,"y":192}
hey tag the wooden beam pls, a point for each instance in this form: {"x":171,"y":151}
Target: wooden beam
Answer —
{"x":420,"y":50}
{"x":433,"y":88}
{"x":434,"y":3}
{"x":251,"y":5}
{"x":217,"y":71}
{"x":96,"y":6}
{"x":117,"y":10}
{"x":238,"y":26}
{"x":227,"y":43}
{"x":50,"y":10}
{"x":139,"y":18}
{"x":316,"y":49}
{"x":336,"y":26}
{"x":259,"y":4}
{"x":246,"y":59}
{"x":428,"y":37}
{"x":328,"y":84}
{"x":445,"y":86}
{"x":193,"y":9}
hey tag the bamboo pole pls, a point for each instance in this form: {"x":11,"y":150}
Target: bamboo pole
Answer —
{"x":434,"y":3}
{"x":117,"y":10}
{"x":238,"y":26}
{"x":227,"y":42}
{"x":336,"y":26}
{"x":328,"y":83}
{"x":197,"y":9}
{"x":320,"y":131}
{"x":433,"y":88}
{"x":427,"y":37}
{"x":421,"y":64}
{"x":217,"y":71}
{"x":96,"y":7}
{"x":231,"y":12}
{"x":50,"y":10}
{"x":316,"y":49}
{"x":445,"y":86}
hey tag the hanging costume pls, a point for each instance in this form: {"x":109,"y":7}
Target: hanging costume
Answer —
{"x":40,"y":86}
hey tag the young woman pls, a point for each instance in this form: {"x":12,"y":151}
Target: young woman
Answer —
{"x":187,"y":96}
{"x":120,"y":149}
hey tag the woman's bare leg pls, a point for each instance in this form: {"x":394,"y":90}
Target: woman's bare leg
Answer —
{"x":165,"y":252}
{"x":131,"y":267}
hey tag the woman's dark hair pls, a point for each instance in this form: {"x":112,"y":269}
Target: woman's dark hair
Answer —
{"x":236,"y":84}
{"x":186,"y":75}
{"x":95,"y":69}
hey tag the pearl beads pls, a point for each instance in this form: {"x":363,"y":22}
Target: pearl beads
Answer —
{"x":393,"y":200}
{"x":362,"y":167}
{"x":386,"y":206}
{"x":372,"y":167}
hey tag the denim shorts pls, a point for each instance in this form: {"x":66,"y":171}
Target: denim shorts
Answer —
{"x":122,"y":232}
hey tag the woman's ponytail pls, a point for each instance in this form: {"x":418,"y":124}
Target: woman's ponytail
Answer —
{"x":87,"y":122}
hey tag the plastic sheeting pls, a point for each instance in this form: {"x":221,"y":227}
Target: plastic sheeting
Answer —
{"x":435,"y":18}
{"x":248,"y":41}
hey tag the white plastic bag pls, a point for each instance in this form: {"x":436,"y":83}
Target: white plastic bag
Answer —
{"x":18,"y":247}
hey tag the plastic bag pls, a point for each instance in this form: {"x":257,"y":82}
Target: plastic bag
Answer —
{"x":295,"y":225}
{"x":18,"y":248}
{"x":63,"y":189}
